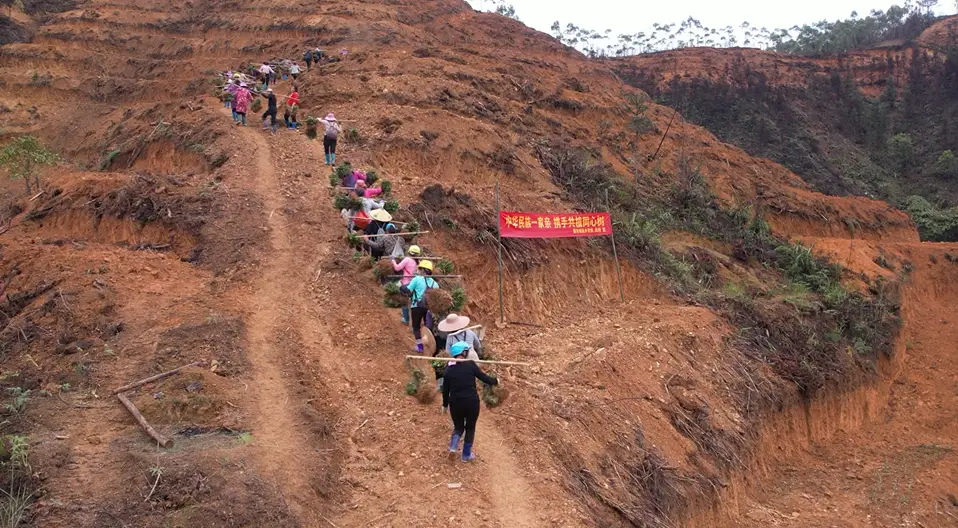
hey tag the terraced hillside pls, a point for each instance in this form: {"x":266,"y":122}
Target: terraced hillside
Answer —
{"x":168,"y":235}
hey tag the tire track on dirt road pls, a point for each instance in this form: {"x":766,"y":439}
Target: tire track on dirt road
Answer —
{"x":284,"y":451}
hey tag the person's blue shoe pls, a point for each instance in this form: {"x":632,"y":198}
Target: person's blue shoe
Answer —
{"x":454,"y":443}
{"x":332,"y":158}
{"x":467,"y":454}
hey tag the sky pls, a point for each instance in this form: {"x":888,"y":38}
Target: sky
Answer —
{"x":632,"y":16}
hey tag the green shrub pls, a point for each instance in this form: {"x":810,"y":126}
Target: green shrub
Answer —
{"x":371,"y":177}
{"x":934,"y":224}
{"x":946,"y":166}
{"x":391,"y":206}
{"x":256,"y":106}
{"x":901,"y":151}
{"x":387,"y":187}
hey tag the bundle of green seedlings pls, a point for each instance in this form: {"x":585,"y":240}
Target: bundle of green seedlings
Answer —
{"x":419,"y":387}
{"x":311,"y":127}
{"x":393,"y":298}
{"x":346,"y":201}
{"x":494,"y":395}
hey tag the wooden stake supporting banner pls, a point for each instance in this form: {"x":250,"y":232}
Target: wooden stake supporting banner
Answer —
{"x":502,"y":310}
{"x":160,"y":439}
{"x":615,"y":253}
{"x":482,"y":361}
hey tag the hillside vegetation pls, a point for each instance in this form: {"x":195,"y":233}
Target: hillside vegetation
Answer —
{"x":878,"y":122}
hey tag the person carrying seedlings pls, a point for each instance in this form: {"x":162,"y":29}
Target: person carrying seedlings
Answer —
{"x":333,"y":128}
{"x":317,"y":56}
{"x":292,"y":108}
{"x":242,"y":99}
{"x":231,"y":88}
{"x":408,"y":268}
{"x":294,"y":71}
{"x":417,"y":303}
{"x":270,"y":113}
{"x":368,"y":192}
{"x":376,"y":231}
{"x":308,"y":57}
{"x":454,"y":329}
{"x":460,"y":397}
{"x":387,"y":244}
{"x":228,"y":92}
{"x":266,"y":73}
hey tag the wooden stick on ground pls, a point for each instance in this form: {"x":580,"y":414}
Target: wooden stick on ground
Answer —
{"x":482,"y":361}
{"x":160,"y":439}
{"x":136,"y":384}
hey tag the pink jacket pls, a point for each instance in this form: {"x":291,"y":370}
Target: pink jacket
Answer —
{"x":408,"y":268}
{"x":372,"y":193}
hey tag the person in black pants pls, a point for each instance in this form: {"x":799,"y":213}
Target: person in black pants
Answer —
{"x":270,"y":110}
{"x":459,"y":391}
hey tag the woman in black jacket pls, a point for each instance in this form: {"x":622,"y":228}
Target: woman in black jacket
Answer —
{"x":459,"y":392}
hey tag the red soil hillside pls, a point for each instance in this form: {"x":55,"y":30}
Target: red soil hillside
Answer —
{"x":168,"y":235}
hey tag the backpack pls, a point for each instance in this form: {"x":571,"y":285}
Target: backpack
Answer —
{"x":332,"y":132}
{"x":431,"y":284}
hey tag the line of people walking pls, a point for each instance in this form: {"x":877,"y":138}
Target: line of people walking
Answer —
{"x":456,"y":380}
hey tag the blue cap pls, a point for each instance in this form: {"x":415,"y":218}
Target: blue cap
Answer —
{"x":458,"y":349}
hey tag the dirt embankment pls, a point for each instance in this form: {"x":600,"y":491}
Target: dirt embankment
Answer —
{"x":216,"y":243}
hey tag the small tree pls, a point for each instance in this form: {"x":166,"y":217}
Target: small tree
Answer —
{"x":23,"y":156}
{"x":902,"y":150}
{"x":947,"y":165}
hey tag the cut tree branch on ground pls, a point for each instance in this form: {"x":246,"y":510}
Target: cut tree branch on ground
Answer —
{"x":160,"y":439}
{"x":160,"y":376}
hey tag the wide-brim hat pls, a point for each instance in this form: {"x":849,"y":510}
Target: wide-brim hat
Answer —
{"x":242,"y":85}
{"x":453,"y":323}
{"x":381,"y":215}
{"x":428,"y":342}
{"x":330,"y":117}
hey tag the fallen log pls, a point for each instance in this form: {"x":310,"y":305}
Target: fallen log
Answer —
{"x":482,"y":361}
{"x":160,"y":439}
{"x":160,"y":376}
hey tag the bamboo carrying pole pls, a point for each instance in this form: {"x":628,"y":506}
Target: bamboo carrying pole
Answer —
{"x":414,"y":258}
{"x":430,"y":276}
{"x":399,"y":233}
{"x":144,"y":381}
{"x":389,"y":222}
{"x":160,"y":439}
{"x":484,"y":362}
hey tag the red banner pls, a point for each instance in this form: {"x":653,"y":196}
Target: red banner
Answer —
{"x":546,"y":225}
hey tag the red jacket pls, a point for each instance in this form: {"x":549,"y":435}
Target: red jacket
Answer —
{"x":293,"y":99}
